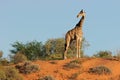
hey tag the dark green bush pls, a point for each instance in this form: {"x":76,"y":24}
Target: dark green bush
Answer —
{"x":100,"y":70}
{"x":27,"y":68}
{"x":32,"y":50}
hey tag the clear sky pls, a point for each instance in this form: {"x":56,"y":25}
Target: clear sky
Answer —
{"x":28,"y":20}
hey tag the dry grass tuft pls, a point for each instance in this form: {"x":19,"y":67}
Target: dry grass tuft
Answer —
{"x":100,"y":70}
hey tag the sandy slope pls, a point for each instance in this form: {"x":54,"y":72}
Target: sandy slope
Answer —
{"x":59,"y":71}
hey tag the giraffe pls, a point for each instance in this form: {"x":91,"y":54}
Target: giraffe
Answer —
{"x":75,"y":34}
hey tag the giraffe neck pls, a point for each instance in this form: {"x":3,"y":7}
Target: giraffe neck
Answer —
{"x":80,"y":23}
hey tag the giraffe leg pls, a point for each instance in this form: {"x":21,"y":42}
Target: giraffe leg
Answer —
{"x":66,"y":48}
{"x":77,"y":47}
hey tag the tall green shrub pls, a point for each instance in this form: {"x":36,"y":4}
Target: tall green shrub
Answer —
{"x":32,"y":50}
{"x":54,"y":46}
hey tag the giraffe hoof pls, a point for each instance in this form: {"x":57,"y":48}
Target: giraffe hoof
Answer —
{"x":77,"y":57}
{"x":65,"y":58}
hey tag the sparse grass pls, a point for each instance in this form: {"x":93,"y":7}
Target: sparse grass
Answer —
{"x":53,"y":62}
{"x":103,"y":54}
{"x":75,"y":75}
{"x":100,"y":70}
{"x":73,"y":64}
{"x":27,"y":68}
{"x":55,"y":56}
{"x":48,"y":77}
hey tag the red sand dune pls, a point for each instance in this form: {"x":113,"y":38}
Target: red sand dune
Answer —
{"x":57,"y":69}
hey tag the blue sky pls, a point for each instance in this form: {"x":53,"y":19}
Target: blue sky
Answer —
{"x":28,"y":20}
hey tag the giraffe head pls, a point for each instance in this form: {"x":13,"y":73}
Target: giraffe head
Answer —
{"x":81,"y":13}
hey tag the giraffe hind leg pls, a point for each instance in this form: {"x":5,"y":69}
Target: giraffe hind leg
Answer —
{"x":64,"y":55}
{"x":66,"y":49}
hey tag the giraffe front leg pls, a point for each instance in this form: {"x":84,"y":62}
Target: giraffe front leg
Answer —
{"x":79,"y":47}
{"x":79,"y":51}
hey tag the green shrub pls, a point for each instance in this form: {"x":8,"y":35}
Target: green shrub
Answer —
{"x":27,"y":68}
{"x":19,"y":57}
{"x":103,"y":54}
{"x":49,"y":77}
{"x":32,"y":50}
{"x":100,"y":70}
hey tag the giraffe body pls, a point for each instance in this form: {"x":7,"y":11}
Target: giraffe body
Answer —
{"x":75,"y":34}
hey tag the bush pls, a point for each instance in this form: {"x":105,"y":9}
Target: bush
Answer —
{"x":10,"y":73}
{"x":1,"y":54}
{"x":19,"y":57}
{"x":27,"y":68}
{"x":54,"y":56}
{"x":73,"y":64}
{"x":100,"y":70}
{"x":117,"y":56}
{"x":47,"y":78}
{"x":4,"y":62}
{"x":103,"y":54}
{"x":74,"y":76}
{"x":2,"y":75}
{"x":32,"y":50}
